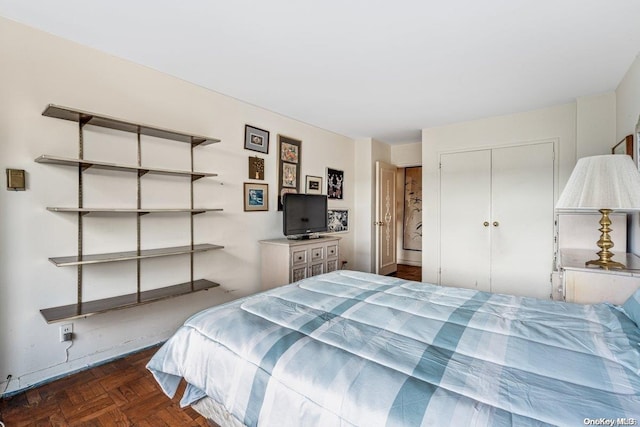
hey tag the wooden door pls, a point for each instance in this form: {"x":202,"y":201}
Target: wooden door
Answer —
{"x":465,"y":215}
{"x":522,"y":219}
{"x":385,"y":221}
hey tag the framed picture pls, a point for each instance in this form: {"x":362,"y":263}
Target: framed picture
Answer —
{"x":624,"y":147}
{"x":256,"y":168}
{"x":412,"y":224}
{"x":335,"y":184}
{"x":256,"y":139}
{"x":256,"y":197}
{"x":289,"y":164}
{"x":289,"y":175}
{"x":313,"y":184}
{"x":338,"y":220}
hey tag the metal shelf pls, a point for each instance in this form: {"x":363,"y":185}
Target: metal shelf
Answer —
{"x":131,"y":255}
{"x":85,"y":164}
{"x":85,"y":308}
{"x":74,"y":311}
{"x":88,"y":211}
{"x":86,"y":117}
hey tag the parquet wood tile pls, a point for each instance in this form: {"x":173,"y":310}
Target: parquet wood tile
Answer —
{"x":409,"y":272}
{"x":120,"y":393}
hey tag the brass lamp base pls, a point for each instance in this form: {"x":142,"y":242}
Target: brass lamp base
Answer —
{"x":605,"y":244}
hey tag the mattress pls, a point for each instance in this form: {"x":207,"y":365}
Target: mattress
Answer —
{"x":350,"y":348}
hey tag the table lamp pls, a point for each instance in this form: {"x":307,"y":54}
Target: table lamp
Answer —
{"x":603,"y":183}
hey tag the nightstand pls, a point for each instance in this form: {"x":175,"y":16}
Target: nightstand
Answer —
{"x":590,"y":285}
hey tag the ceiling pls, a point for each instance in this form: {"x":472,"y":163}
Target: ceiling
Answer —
{"x":364,"y":68}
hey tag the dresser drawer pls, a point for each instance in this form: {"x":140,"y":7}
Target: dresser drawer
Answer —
{"x":332,"y":265}
{"x":298,"y":257}
{"x":332,"y":251}
{"x":317,"y":253}
{"x":298,"y":273}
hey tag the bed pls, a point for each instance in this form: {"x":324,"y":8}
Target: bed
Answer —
{"x":350,"y":348}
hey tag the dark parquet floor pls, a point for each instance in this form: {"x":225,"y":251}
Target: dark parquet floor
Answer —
{"x":119,"y":393}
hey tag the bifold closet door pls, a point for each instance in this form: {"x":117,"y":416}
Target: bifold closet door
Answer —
{"x":522,"y":219}
{"x":496,"y":219}
{"x":465,"y":212}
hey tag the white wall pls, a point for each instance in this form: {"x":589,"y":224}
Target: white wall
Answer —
{"x":595,"y":124}
{"x":405,"y":155}
{"x":554,"y":123}
{"x":627,"y":116}
{"x":367,"y":152}
{"x":38,"y":69}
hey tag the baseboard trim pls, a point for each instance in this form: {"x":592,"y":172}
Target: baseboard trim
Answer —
{"x":77,"y":370}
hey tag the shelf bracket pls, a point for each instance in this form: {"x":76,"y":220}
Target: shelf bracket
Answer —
{"x":83,"y":119}
{"x":195,"y":141}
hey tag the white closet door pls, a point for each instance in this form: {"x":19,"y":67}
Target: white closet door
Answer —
{"x":522,"y":209}
{"x":465,"y":188}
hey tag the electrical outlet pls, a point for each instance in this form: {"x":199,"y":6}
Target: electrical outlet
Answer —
{"x":66,"y":332}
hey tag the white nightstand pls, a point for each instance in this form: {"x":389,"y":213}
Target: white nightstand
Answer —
{"x":590,"y":285}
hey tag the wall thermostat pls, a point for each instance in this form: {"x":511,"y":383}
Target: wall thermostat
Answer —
{"x":15,"y":179}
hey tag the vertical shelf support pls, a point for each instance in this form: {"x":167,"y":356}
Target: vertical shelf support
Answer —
{"x":81,"y":124}
{"x":191,"y":218}
{"x":138,"y":222}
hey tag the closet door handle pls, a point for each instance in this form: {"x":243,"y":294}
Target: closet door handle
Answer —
{"x":496,"y":223}
{"x":486,"y":223}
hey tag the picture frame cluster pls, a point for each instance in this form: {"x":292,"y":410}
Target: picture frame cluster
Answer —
{"x":256,"y":195}
{"x":289,"y":165}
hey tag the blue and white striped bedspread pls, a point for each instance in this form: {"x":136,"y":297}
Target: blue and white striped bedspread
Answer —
{"x":350,"y":348}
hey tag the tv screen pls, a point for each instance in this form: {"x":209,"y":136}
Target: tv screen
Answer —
{"x":304,"y":214}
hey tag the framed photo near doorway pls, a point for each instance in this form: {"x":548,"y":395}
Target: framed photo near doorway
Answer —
{"x":338,"y":220}
{"x":335,"y":184}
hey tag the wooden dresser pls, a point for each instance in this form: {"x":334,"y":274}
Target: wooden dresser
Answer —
{"x":285,"y":261}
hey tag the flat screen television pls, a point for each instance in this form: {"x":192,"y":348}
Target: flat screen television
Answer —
{"x":303,"y":215}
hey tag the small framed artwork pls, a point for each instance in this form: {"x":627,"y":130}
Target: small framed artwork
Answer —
{"x":313,"y":184}
{"x":256,"y":139}
{"x":289,"y":175}
{"x":256,"y":168}
{"x":624,"y":147}
{"x":335,"y":184}
{"x":256,"y":197}
{"x":338,"y":220}
{"x":289,"y":164}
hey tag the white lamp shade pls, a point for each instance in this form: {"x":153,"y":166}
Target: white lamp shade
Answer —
{"x":602,"y":182}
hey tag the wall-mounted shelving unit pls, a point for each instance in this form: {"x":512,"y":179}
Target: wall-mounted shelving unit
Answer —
{"x":83,"y":308}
